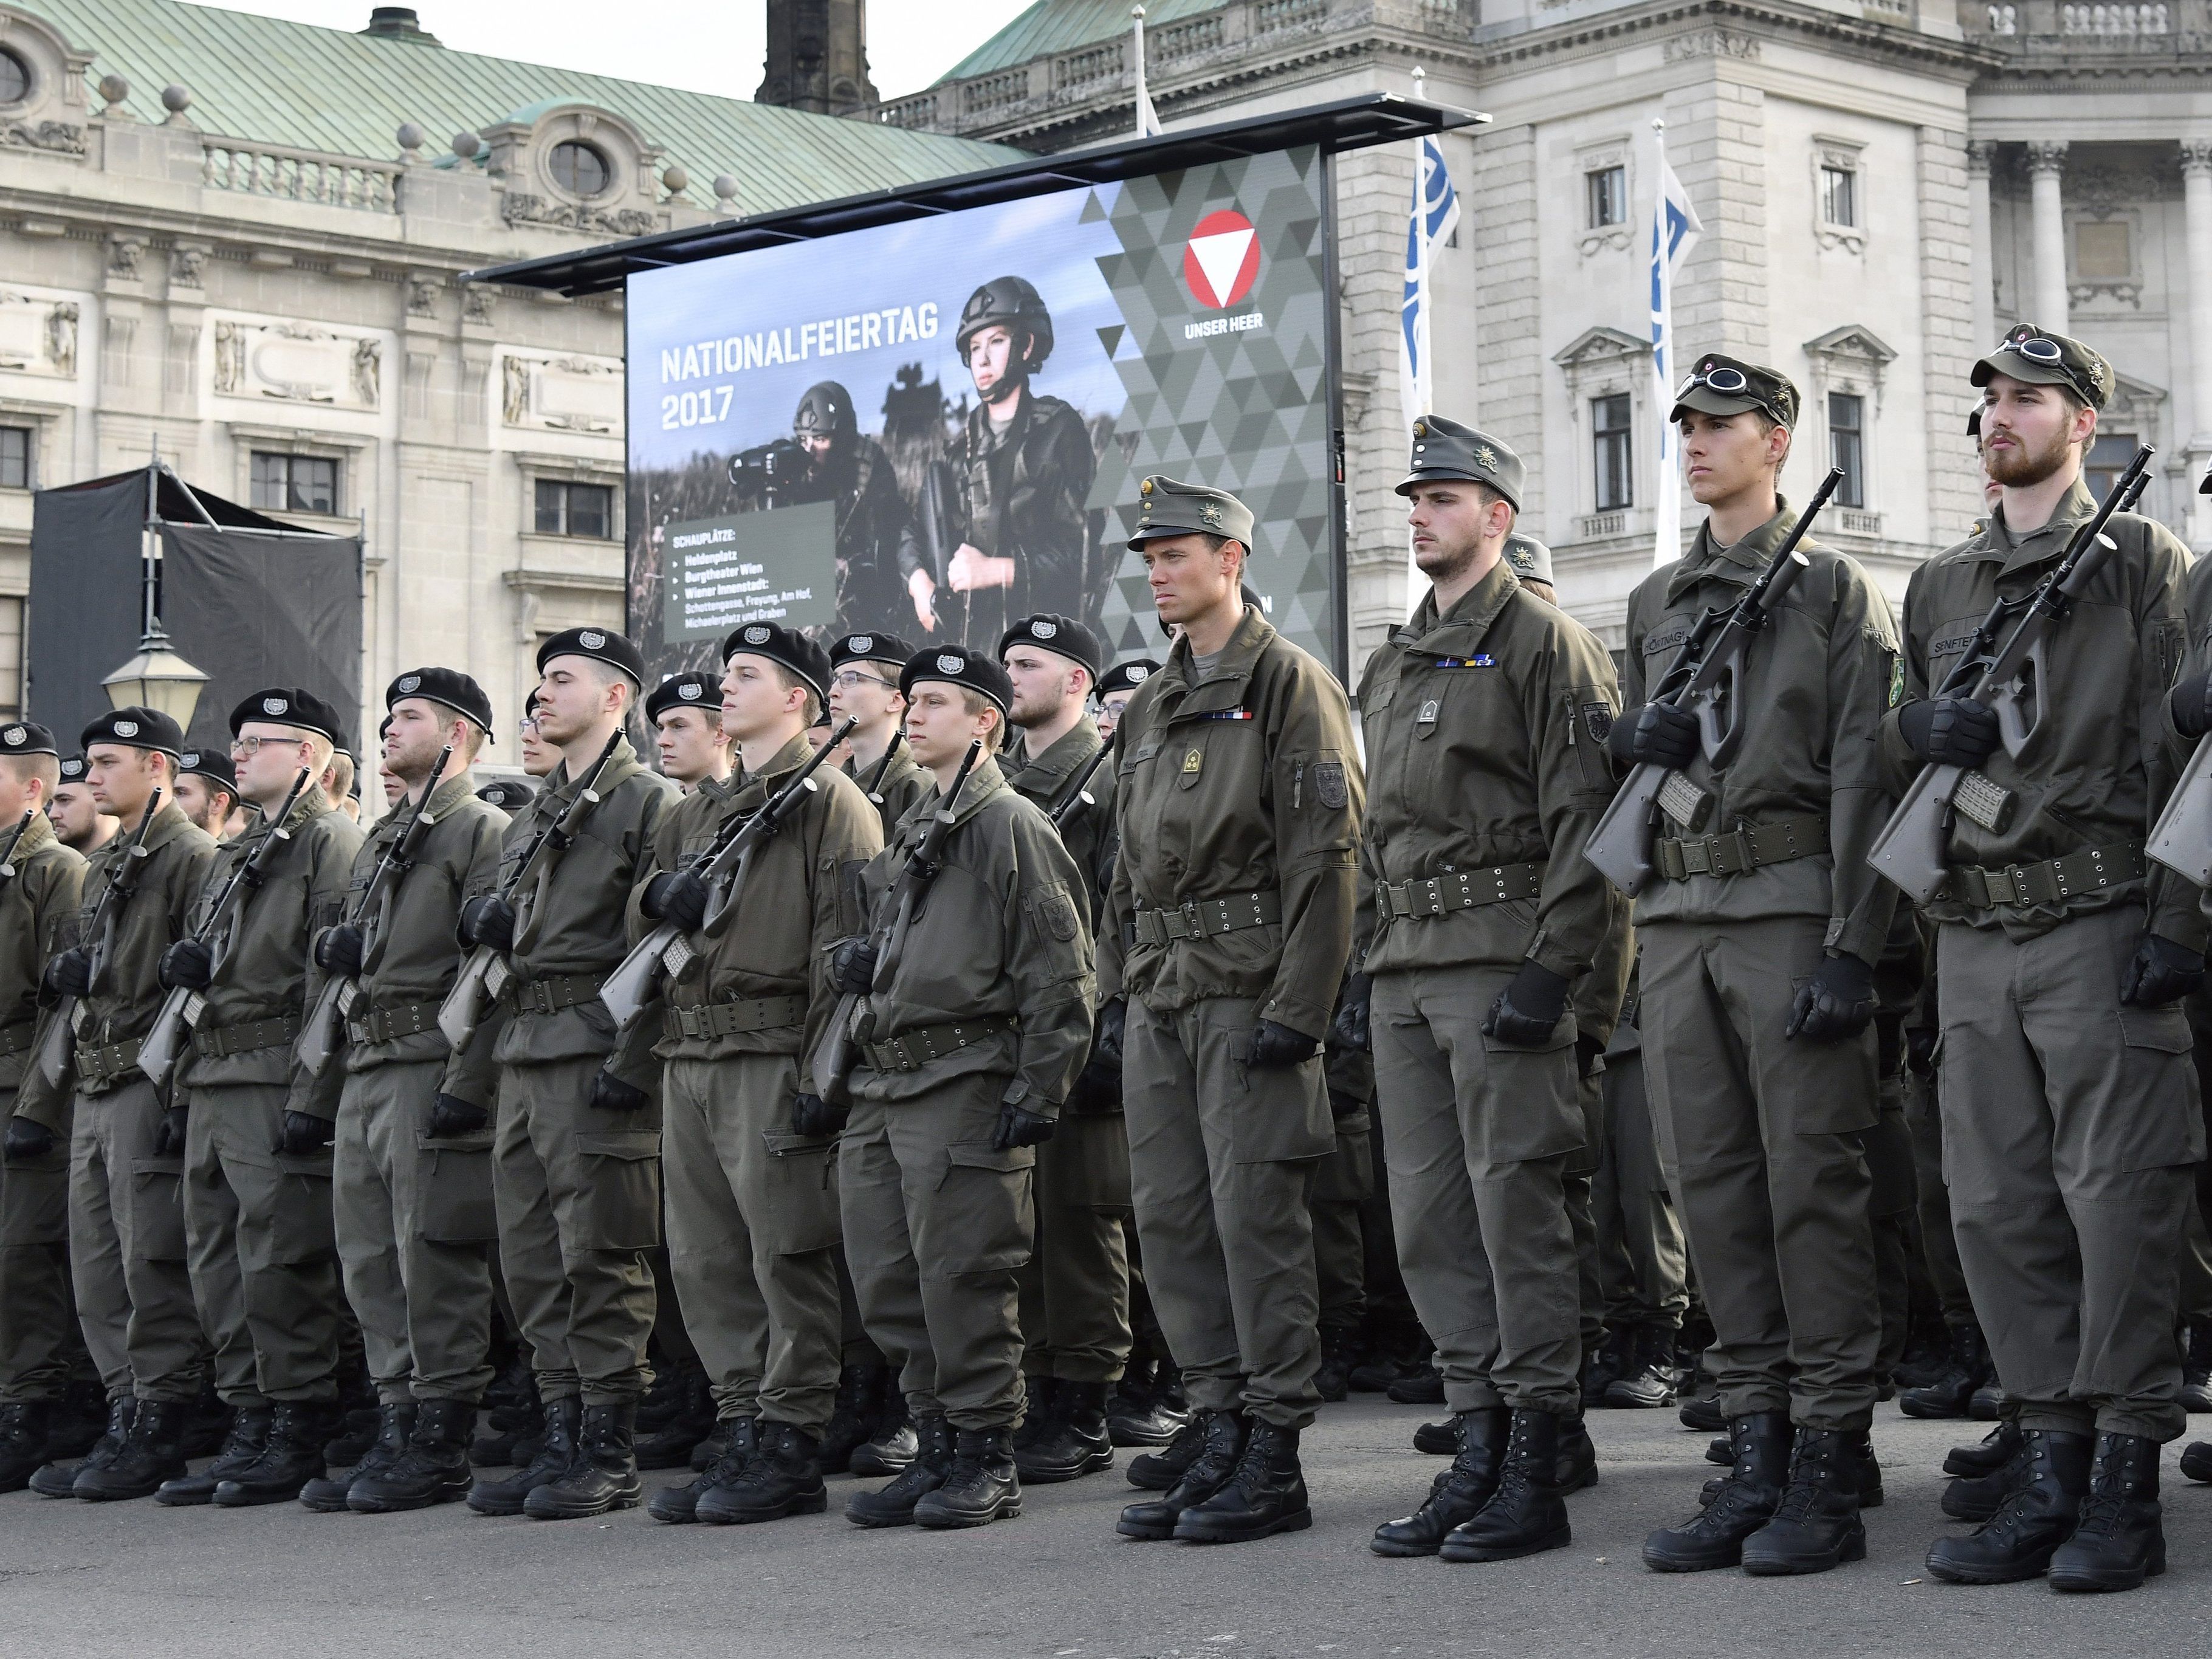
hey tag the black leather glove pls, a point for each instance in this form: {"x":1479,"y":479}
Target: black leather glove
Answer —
{"x":450,"y":1117}
{"x":1920,"y":1048}
{"x":2161,"y":972}
{"x":816,"y":1118}
{"x":26,"y":1140}
{"x":1277,"y":1047}
{"x":677,"y":896}
{"x":1949,"y":731}
{"x":1658,"y":735}
{"x":2191,"y":703}
{"x":852,"y":966}
{"x":304,"y":1133}
{"x":1341,"y":1104}
{"x":1527,"y":1011}
{"x":1106,"y":1039}
{"x":69,"y":973}
{"x":1836,"y":1003}
{"x":1349,"y":1029}
{"x":339,"y":950}
{"x":487,"y":922}
{"x":186,"y":965}
{"x":1588,"y":1051}
{"x":169,"y":1133}
{"x":611,"y":1094}
{"x":1019,"y":1126}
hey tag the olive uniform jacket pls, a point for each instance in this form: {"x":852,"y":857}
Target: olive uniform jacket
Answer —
{"x":1087,"y":828}
{"x":41,"y":886}
{"x":892,"y":789}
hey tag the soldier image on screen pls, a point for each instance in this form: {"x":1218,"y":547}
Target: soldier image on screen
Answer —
{"x":1000,"y":529}
{"x":845,"y":467}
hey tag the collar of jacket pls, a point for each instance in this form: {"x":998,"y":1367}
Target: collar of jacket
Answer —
{"x":451,"y":789}
{"x":560,"y":790}
{"x":168,"y":823}
{"x":36,"y":834}
{"x":991,"y":440}
{"x":1040,"y":777}
{"x":1741,"y":562}
{"x":750,"y":790}
{"x":1997,"y":545}
{"x":1224,"y":687}
{"x":1460,"y":630}
{"x":312,"y":805}
{"x":984,"y":784}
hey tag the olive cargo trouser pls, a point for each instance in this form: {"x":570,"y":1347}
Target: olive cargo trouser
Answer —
{"x":41,"y":1349}
{"x":1764,"y":1131}
{"x":1643,"y":1261}
{"x":1342,"y":1187}
{"x":416,"y":1227}
{"x":1938,"y":1246}
{"x":578,"y":1190}
{"x":127,"y":1257}
{"x":752,"y":1236}
{"x":2070,"y":1128}
{"x":1075,"y":1286}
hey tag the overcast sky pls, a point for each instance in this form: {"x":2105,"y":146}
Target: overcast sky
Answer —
{"x":678,"y":43}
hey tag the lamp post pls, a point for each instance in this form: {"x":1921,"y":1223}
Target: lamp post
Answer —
{"x":157,"y":677}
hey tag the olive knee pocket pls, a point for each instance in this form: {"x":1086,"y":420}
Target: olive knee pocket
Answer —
{"x":795,"y":1192}
{"x":617,"y":1204}
{"x":981,"y":1216}
{"x":456,"y":1206}
{"x":155,"y":1208}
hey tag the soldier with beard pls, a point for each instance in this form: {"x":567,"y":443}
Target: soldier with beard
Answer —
{"x":849,"y":469}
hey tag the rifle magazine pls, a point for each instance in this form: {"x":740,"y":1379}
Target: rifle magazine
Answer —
{"x":1685,"y":802}
{"x":1986,"y":802}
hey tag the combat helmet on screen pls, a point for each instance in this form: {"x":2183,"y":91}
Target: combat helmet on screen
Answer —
{"x":1009,"y":302}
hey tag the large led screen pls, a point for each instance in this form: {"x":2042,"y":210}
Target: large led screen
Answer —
{"x":935,"y":427}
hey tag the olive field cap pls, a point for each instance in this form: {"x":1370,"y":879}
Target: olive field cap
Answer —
{"x":1167,"y":507}
{"x":2042,"y":358}
{"x":1443,"y":449}
{"x":1728,"y":385}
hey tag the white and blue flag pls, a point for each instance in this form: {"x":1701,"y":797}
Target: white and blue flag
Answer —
{"x":1674,"y":231}
{"x":1434,"y":217}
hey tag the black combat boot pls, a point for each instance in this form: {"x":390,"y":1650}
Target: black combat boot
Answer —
{"x":1528,"y":1513}
{"x":1604,"y":1363}
{"x":1265,"y":1495}
{"x":2119,"y":1541}
{"x":326,"y":1494}
{"x":292,"y":1457}
{"x":207,"y":1424}
{"x":153,"y":1452}
{"x":2196,"y":1461}
{"x":515,"y":1434}
{"x":432,"y":1467}
{"x":689,"y":1419}
{"x":1207,"y":1458}
{"x":1647,"y":1379}
{"x":1157,"y":1471}
{"x":604,"y":1475}
{"x":26,"y":1432}
{"x":78,"y":1421}
{"x":782,"y":1477}
{"x":1075,"y":1443}
{"x":677,"y":1505}
{"x":1952,"y":1394}
{"x":1987,"y":1455}
{"x":852,"y":1417}
{"x":1340,"y":1350}
{"x":980,"y":1487}
{"x":1977,"y":1497}
{"x":1988,"y":1404}
{"x":249,"y":1438}
{"x":1577,"y":1456}
{"x":2197,"y":1369}
{"x":1038,"y":1394}
{"x":1746,"y":1501}
{"x":1927,"y":1357}
{"x":1816,"y":1526}
{"x":59,"y":1479}
{"x":1150,"y":1414}
{"x":1398,"y":1351}
{"x":2035,"y":1518}
{"x":352,"y":1436}
{"x":1441,"y":1439}
{"x":1702,"y":1411}
{"x":557,"y":1451}
{"x":893,"y":1505}
{"x":1456,"y":1495}
{"x":1423,"y":1386}
{"x":892,"y":1439}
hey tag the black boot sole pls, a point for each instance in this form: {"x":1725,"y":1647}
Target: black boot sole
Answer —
{"x":1930,"y":1411}
{"x":1559,"y":1538}
{"x":1150,"y":1532}
{"x":623,"y":1500}
{"x":1192,"y":1529}
{"x":60,"y":1481}
{"x":499,"y":1506}
{"x":1852,"y":1548}
{"x":2091,"y":1581}
{"x":874,"y":1466}
{"x":806,"y":1503}
{"x":1008,"y":1508}
{"x":2009,"y":1573}
{"x":124,"y":1495}
{"x":183,"y":1499}
{"x":374,"y":1503}
{"x":1053,"y":1475}
{"x":227,"y":1496}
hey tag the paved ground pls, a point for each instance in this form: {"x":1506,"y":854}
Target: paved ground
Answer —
{"x":136,"y":1579}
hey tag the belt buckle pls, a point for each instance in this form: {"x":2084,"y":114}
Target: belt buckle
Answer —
{"x":1698,"y":855}
{"x":1190,"y":918}
{"x":2015,"y":886}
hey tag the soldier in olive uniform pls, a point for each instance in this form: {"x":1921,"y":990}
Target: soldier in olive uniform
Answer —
{"x":848,"y":469}
{"x":1075,"y":1287}
{"x":1237,"y":795}
{"x":127,"y":1257}
{"x":974,"y":1017}
{"x":686,"y":713}
{"x":752,"y":1210}
{"x":576,"y":1153}
{"x":1116,"y":686}
{"x":257,"y":1191}
{"x":1485,"y":717}
{"x":2070,"y":1118}
{"x":1643,"y":1263}
{"x":207,"y":789}
{"x":864,"y":675}
{"x":42,"y":1354}
{"x":1759,"y":943}
{"x":412,"y":1168}
{"x":78,"y":824}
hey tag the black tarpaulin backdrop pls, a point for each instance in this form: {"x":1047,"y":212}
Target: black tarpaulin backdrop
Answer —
{"x":250,"y":601}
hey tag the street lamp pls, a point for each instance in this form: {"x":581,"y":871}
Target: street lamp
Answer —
{"x":157,"y":679}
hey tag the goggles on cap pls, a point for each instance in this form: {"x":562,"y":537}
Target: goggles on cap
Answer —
{"x":1729,"y":382}
{"x":2035,"y":348}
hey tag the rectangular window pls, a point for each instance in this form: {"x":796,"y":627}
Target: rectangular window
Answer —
{"x":1609,"y":436}
{"x":2108,"y":458}
{"x":1847,"y":446}
{"x":294,"y":483}
{"x":575,"y":509}
{"x":1607,"y":190}
{"x":1839,"y":197}
{"x":15,"y":458}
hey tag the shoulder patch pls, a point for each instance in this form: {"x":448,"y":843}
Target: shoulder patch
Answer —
{"x":1597,"y":720}
{"x":1896,"y":679}
{"x":1057,"y":913}
{"x":1330,"y":784}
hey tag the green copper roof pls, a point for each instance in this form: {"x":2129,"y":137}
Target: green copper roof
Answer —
{"x":326,"y":89}
{"x":1055,"y":26}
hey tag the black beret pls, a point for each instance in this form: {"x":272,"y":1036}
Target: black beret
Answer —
{"x":958,"y":665}
{"x":1128,"y":676}
{"x":684,"y":691}
{"x":1062,"y":636}
{"x":870,"y":648}
{"x":290,"y":705}
{"x":135,"y":727}
{"x":22,"y":738}
{"x":1974,"y":422}
{"x":530,"y":704}
{"x":207,"y":764}
{"x":509,"y":794}
{"x":600,"y":645}
{"x":787,"y":646}
{"x":73,"y":768}
{"x":458,"y":691}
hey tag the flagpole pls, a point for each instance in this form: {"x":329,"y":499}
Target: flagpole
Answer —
{"x":1414,"y":397}
{"x":1667,"y":506}
{"x":1148,"y":121}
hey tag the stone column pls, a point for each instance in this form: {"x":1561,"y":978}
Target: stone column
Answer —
{"x":1981,"y":154}
{"x":2047,"y":285}
{"x":2196,"y":208}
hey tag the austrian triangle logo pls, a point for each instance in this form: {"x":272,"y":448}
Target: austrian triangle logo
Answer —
{"x":1222,"y":261}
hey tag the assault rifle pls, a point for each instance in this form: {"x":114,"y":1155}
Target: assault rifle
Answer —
{"x":319,"y":1038}
{"x":8,"y":870}
{"x":833,"y":1059}
{"x":181,"y":1009}
{"x":1910,"y":849}
{"x":58,"y":1041}
{"x":1080,"y":795}
{"x":463,"y":1009}
{"x":875,"y":785}
{"x":722,"y":867}
{"x":1706,"y":679}
{"x":943,"y":522}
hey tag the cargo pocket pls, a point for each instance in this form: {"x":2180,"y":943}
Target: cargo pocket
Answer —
{"x":1090,"y":1160}
{"x":457,"y":1202}
{"x":1543,"y":1094}
{"x":36,"y":1208}
{"x":157,"y":1209}
{"x":619,"y":1205}
{"x":2163,"y":1125}
{"x":801,"y":1191}
{"x":985,"y":1218}
{"x":304,"y":1227}
{"x":1347,"y":1175}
